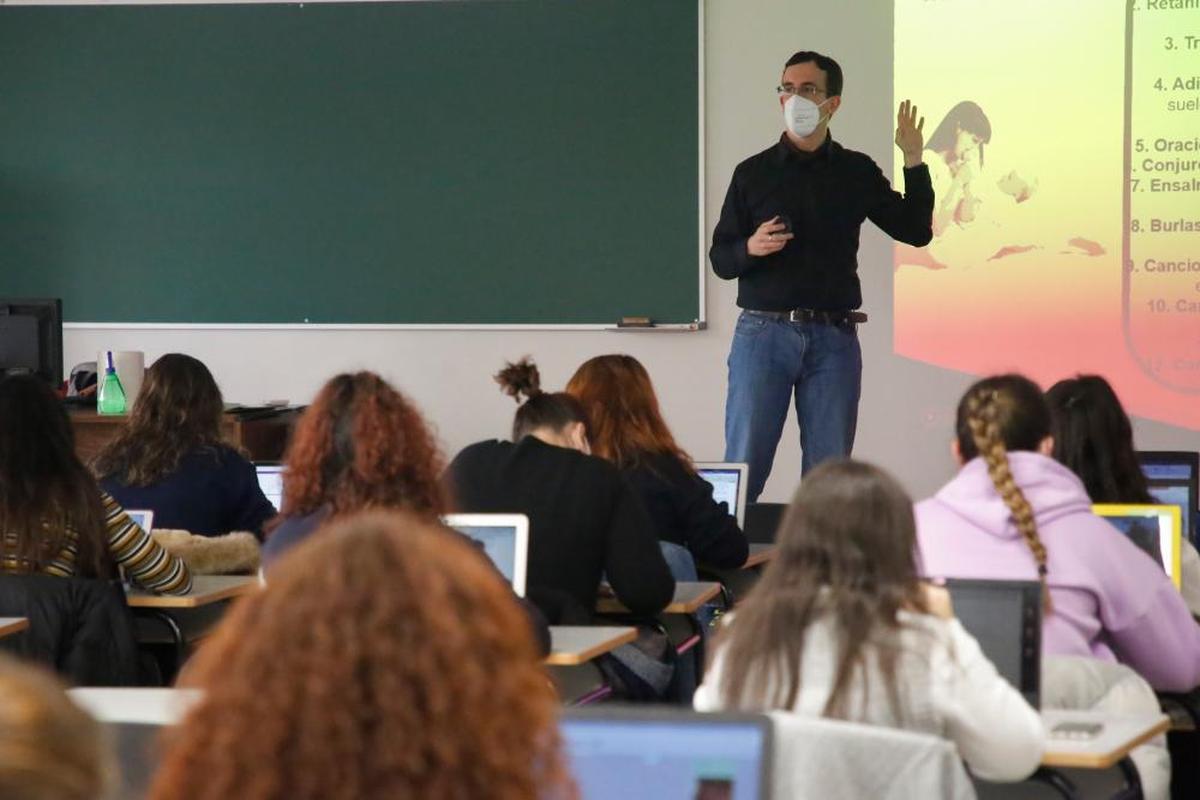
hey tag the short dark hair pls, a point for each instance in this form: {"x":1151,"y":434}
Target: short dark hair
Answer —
{"x":833,"y":71}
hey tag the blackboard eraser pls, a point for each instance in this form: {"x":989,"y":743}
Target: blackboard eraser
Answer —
{"x":635,"y":322}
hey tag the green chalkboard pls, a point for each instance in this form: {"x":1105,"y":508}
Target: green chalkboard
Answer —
{"x":490,"y":162}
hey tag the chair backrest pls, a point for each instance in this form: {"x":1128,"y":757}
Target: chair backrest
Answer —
{"x":822,"y":759}
{"x":79,"y":627}
{"x":762,"y":521}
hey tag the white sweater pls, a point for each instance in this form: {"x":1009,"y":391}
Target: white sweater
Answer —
{"x":947,"y":688}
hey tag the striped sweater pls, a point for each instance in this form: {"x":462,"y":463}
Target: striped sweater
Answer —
{"x":142,"y":559}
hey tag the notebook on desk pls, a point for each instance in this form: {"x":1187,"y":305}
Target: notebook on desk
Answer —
{"x":270,"y":480}
{"x":1005,"y":617}
{"x":505,"y":539}
{"x":728,"y":481}
{"x":1156,"y":530}
{"x":625,"y":752}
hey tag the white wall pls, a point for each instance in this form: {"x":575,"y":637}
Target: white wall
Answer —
{"x":905,"y":418}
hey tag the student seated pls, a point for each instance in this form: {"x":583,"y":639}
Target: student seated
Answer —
{"x":172,"y":460}
{"x":584,"y":520}
{"x":50,"y":749}
{"x":1094,"y":439}
{"x":54,"y":519}
{"x":384,"y":659}
{"x":840,"y":626}
{"x":628,"y":430}
{"x":360,"y":445}
{"x":1014,"y":513}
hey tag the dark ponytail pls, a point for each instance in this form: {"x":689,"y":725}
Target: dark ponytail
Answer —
{"x":553,"y":410}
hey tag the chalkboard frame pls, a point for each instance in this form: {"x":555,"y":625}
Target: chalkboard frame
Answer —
{"x":699,"y":323}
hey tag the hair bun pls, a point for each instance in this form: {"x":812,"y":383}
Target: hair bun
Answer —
{"x":521,"y":378}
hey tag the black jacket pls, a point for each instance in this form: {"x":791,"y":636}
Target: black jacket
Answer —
{"x":826,"y":196}
{"x":80,"y":627}
{"x":682,"y":507}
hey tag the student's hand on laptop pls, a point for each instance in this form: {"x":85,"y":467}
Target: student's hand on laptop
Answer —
{"x":937,"y":599}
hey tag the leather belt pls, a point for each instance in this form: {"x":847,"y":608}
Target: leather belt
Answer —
{"x":814,"y":315}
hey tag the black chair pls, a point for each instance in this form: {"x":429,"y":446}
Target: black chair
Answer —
{"x":762,"y":521}
{"x":79,"y":627}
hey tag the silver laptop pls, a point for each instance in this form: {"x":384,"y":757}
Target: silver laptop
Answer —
{"x":627,"y":752}
{"x":270,"y":480}
{"x":505,"y":539}
{"x":729,"y":485}
{"x":143,"y":517}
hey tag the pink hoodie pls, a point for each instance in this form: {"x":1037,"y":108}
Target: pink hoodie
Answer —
{"x":1110,"y":600}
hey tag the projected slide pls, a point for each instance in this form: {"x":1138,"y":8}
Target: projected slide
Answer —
{"x":1064,"y":143}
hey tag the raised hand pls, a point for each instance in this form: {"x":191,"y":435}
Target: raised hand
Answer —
{"x":909,"y":133}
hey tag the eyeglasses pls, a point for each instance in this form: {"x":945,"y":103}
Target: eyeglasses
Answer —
{"x":809,"y":90}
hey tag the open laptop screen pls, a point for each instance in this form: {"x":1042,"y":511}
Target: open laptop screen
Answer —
{"x":505,"y":539}
{"x":1174,"y":478}
{"x":1005,"y":617}
{"x":728,"y":482}
{"x":270,"y":480}
{"x":1156,"y":530}
{"x":627,"y":753}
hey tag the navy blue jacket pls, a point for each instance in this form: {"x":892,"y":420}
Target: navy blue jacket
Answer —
{"x":212,"y":492}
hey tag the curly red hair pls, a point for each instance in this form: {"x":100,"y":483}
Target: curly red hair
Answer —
{"x":387,"y":660}
{"x":362,"y":444}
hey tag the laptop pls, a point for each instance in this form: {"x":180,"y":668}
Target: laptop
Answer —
{"x":1174,"y":478}
{"x":505,"y":539}
{"x":1157,"y":530}
{"x":143,"y":517}
{"x":270,"y":480}
{"x":627,"y":752}
{"x":1005,"y":617}
{"x":728,"y":482}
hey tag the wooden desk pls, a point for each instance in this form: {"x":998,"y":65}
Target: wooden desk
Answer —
{"x":11,"y":625}
{"x":571,"y":645}
{"x":206,"y":589}
{"x":760,"y":554}
{"x":143,"y":706}
{"x":689,"y":597}
{"x":1119,"y":736}
{"x":264,"y":439}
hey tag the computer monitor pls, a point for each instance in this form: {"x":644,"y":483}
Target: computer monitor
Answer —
{"x":1005,"y":617}
{"x":505,"y":539}
{"x":31,"y":338}
{"x":729,"y":485}
{"x":270,"y":480}
{"x":1154,"y":529}
{"x":624,"y":752}
{"x":1174,"y":478}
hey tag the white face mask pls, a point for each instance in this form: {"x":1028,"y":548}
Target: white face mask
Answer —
{"x":801,"y":116}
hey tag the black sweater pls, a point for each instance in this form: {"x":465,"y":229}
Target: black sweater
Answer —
{"x":683,"y":510}
{"x":826,"y":195}
{"x":584,"y":521}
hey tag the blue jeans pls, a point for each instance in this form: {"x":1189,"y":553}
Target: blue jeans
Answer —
{"x":772,"y":361}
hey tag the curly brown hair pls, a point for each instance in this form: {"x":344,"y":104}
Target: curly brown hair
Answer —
{"x":177,"y":412}
{"x":387,"y":660}
{"x":361,"y":444}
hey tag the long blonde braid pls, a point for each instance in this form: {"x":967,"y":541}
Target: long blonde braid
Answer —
{"x":982,"y":412}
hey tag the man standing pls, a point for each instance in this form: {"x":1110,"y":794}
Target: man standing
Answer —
{"x":789,"y":234}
